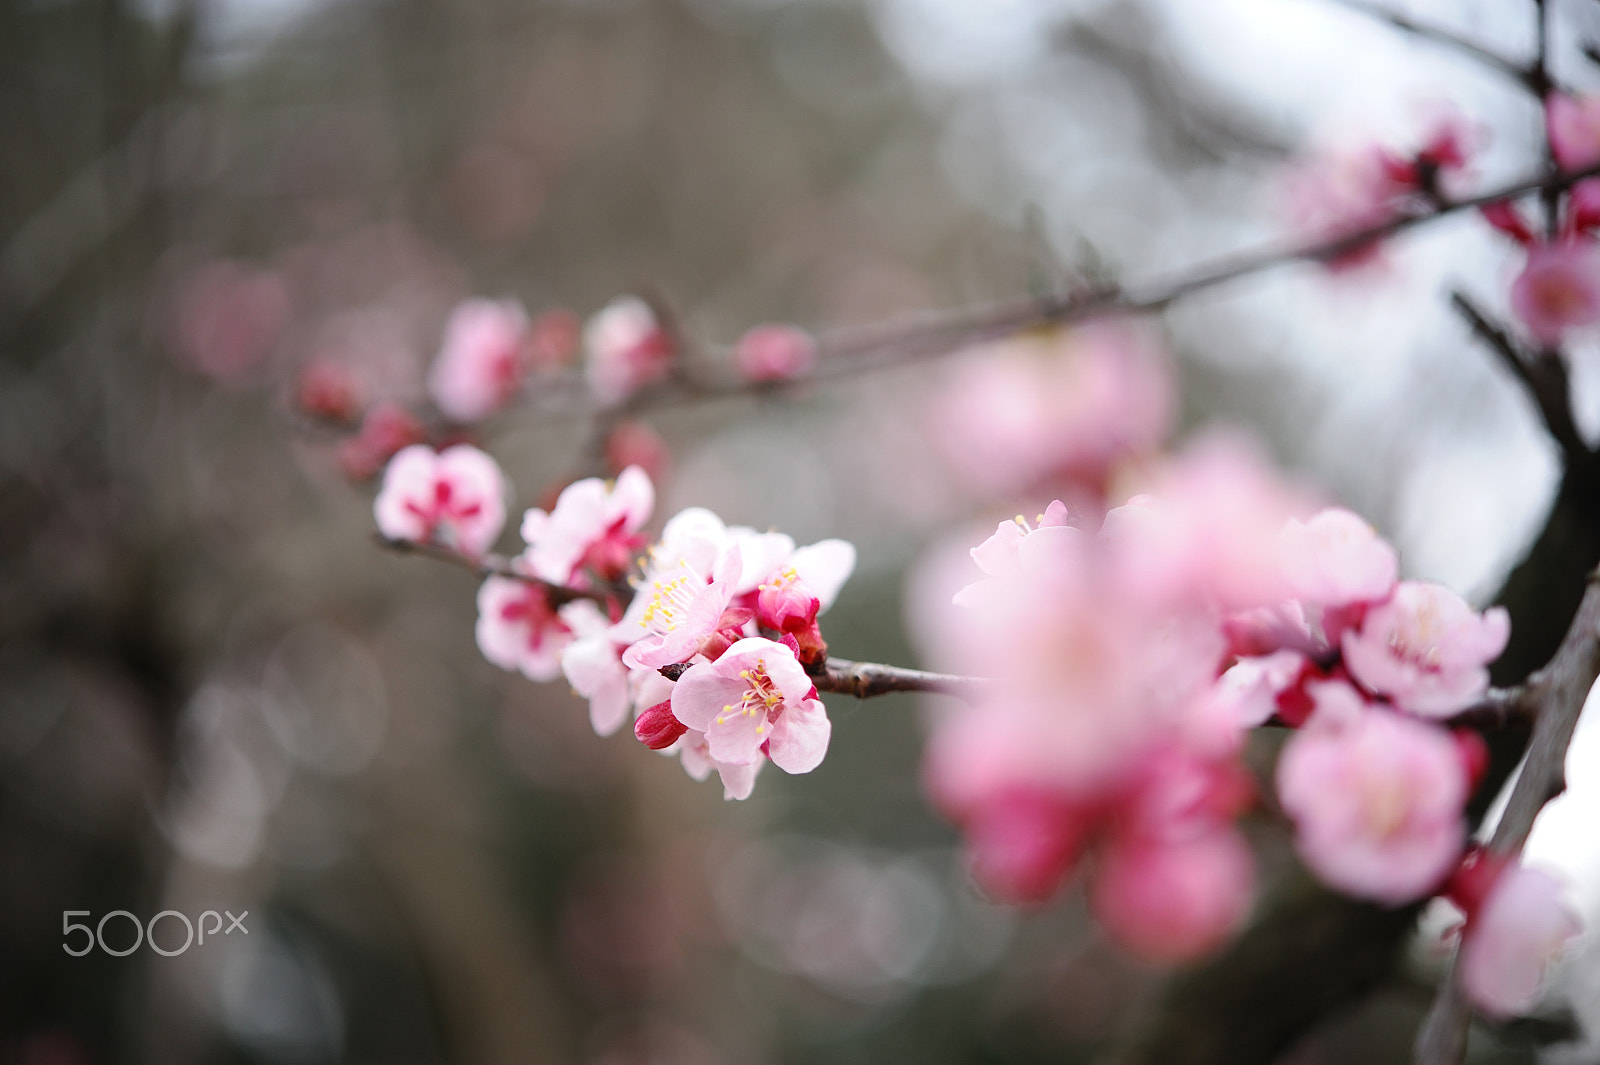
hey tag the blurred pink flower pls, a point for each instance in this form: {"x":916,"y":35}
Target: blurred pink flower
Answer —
{"x":593,"y":526}
{"x":775,"y":353}
{"x":755,"y":700}
{"x":554,"y":337}
{"x":386,"y":429}
{"x":483,"y":360}
{"x":1376,"y":798}
{"x":1426,"y":649}
{"x":1573,"y":125}
{"x":1558,"y":289}
{"x":518,"y":629}
{"x":1172,"y":901}
{"x":1342,"y":192}
{"x":1209,"y":529}
{"x":229,"y":316}
{"x":1022,"y":844}
{"x":627,"y":348}
{"x":329,"y":390}
{"x":1510,"y":942}
{"x":1062,"y":405}
{"x":455,"y":498}
{"x":634,"y":443}
{"x":1335,"y":559}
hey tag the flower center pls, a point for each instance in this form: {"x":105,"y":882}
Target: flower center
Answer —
{"x":670,"y":599}
{"x":761,"y":698}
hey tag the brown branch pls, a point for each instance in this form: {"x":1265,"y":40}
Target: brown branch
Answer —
{"x":1544,"y":375}
{"x":1530,"y":77}
{"x":1556,"y":695}
{"x":864,"y":680}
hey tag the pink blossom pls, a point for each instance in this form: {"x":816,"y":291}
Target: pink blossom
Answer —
{"x":483,"y":360}
{"x":690,"y":579}
{"x":386,"y":429}
{"x":1426,"y":649}
{"x":1376,"y":798}
{"x":636,"y":444}
{"x":1249,"y":692}
{"x":756,"y":698}
{"x":1335,"y":558}
{"x":1558,"y":289}
{"x":1583,"y":206}
{"x":455,"y":497}
{"x":1511,"y":941}
{"x":592,"y":664}
{"x":1209,"y":529}
{"x":1573,"y":126}
{"x":1172,"y":901}
{"x":627,"y":348}
{"x":775,"y":353}
{"x":554,"y":337}
{"x":329,"y":390}
{"x":694,"y":752}
{"x":1068,"y":404}
{"x":1021,"y":845}
{"x":518,"y":629}
{"x":593,"y":526}
{"x":229,"y":317}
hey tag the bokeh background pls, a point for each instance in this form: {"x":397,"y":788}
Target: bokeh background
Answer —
{"x":216,"y":692}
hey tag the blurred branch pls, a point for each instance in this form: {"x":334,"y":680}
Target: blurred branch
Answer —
{"x":1544,"y":375}
{"x":896,"y":342}
{"x":1555,"y":695}
{"x":1532,"y":77}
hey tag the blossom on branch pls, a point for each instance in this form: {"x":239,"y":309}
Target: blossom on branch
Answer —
{"x":483,"y":360}
{"x":627,"y":350}
{"x":775,"y":353}
{"x":1511,"y":939}
{"x":1425,"y":649}
{"x":755,"y":701}
{"x":1057,"y":406}
{"x":518,"y":629}
{"x":454,"y":498}
{"x":593,"y":528}
{"x":1559,"y":289}
{"x":1376,"y":798}
{"x":1573,"y":125}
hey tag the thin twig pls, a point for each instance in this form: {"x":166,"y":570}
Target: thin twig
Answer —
{"x":492,"y":565}
{"x":1543,"y":374}
{"x":1523,"y":75}
{"x":1555,"y":696}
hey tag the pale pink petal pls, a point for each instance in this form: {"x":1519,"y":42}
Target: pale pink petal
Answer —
{"x":1509,"y":945}
{"x":800,"y":736}
{"x":824,"y":566}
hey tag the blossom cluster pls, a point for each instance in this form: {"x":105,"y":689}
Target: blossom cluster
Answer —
{"x":709,"y":650}
{"x":1131,"y":650}
{"x":493,"y":351}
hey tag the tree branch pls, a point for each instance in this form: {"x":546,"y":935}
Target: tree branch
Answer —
{"x":1555,"y":695}
{"x":1544,"y":375}
{"x":864,"y":680}
{"x":1523,"y":75}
